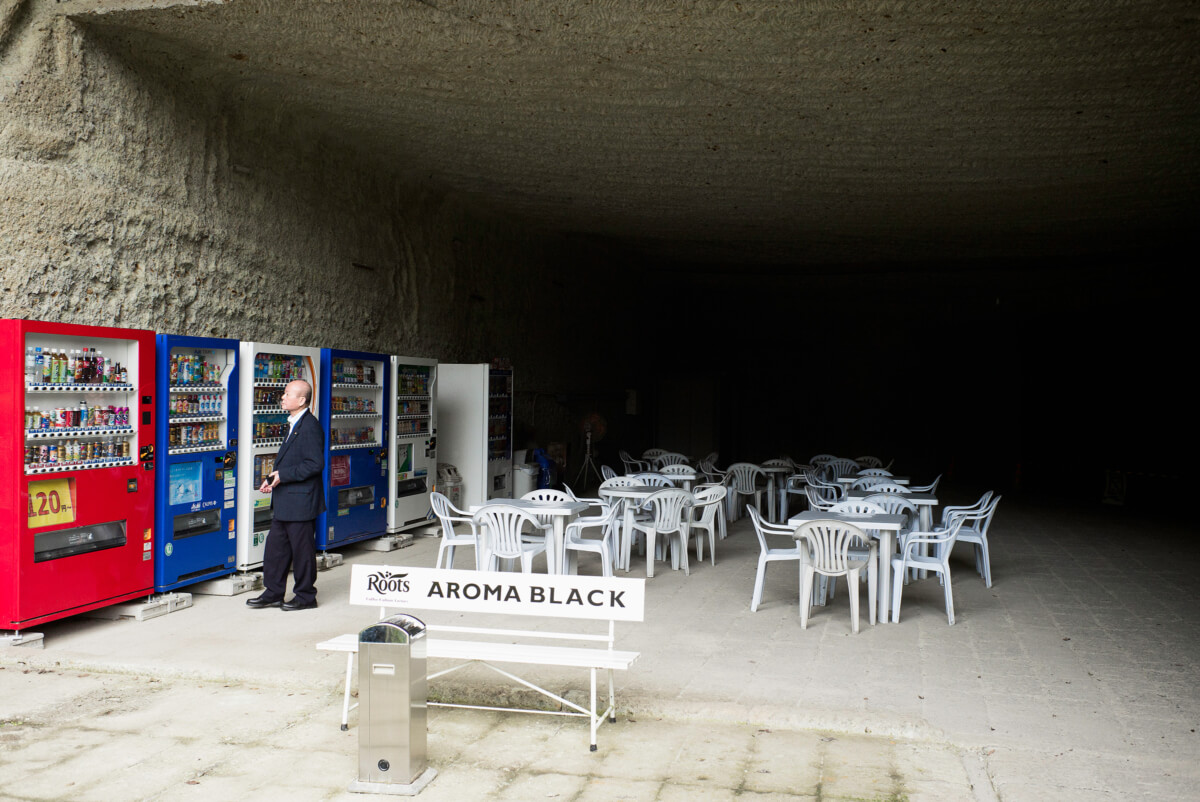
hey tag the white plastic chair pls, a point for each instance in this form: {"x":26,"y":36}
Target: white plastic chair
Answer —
{"x":889,"y":487}
{"x":869,"y":462}
{"x":650,"y":454}
{"x":978,"y":505}
{"x":910,"y":557}
{"x":829,"y":545}
{"x":632,"y":465}
{"x":595,"y":502}
{"x":867,"y":482}
{"x":720,"y":513}
{"x":842,"y":467}
{"x":745,"y":483}
{"x":670,"y":458}
{"x":974,"y":530}
{"x":709,"y":505}
{"x":822,"y":497}
{"x":448,"y":515}
{"x":503,"y":525}
{"x":821,"y":460}
{"x":653,"y":479}
{"x":606,"y":472}
{"x":929,"y":488}
{"x":767,"y":554}
{"x":874,"y":472}
{"x":573,"y":539}
{"x":794,"y":486}
{"x":670,"y":515}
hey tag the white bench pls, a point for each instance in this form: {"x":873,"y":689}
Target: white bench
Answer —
{"x":491,"y":593}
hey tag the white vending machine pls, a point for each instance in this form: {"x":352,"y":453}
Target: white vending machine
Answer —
{"x":413,"y":453}
{"x":265,"y":371}
{"x":475,"y":429}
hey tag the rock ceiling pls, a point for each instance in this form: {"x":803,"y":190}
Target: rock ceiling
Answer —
{"x":790,"y":133}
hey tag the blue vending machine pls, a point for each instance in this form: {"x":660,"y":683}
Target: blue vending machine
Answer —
{"x":353,"y":399}
{"x":197,"y":428}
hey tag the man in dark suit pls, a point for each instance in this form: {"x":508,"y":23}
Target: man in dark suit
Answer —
{"x":297,"y":498}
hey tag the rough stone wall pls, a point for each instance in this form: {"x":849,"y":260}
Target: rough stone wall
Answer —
{"x":136,"y":197}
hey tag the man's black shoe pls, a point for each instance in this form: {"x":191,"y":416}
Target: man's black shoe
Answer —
{"x":263,"y":601}
{"x":292,"y":604}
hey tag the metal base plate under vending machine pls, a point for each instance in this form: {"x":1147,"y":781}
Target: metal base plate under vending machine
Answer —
{"x":354,"y":397}
{"x":196,"y":518}
{"x":412,"y":463}
{"x":265,"y":371}
{"x":78,"y":500}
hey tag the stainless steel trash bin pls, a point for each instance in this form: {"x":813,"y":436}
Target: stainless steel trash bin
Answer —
{"x":392,"y":691}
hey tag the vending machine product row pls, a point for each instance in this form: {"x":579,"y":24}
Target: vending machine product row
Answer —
{"x":78,"y":500}
{"x":262,"y":425}
{"x":412,"y":469}
{"x":354,"y":400}
{"x":196,"y":518}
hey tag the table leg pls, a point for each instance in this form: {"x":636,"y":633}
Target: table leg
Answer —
{"x":626,"y":547}
{"x":887,"y":547}
{"x":771,"y":498}
{"x":554,"y":546}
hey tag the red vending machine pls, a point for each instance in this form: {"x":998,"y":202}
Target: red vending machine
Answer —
{"x":77,"y":466}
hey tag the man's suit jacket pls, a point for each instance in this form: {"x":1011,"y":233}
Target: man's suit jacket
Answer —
{"x":300,"y":495}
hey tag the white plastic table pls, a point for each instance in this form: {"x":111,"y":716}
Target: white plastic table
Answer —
{"x":886,"y":525}
{"x":560,"y":510}
{"x":636,"y":493}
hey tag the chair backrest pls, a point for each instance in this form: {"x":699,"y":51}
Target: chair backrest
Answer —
{"x":653,"y":479}
{"x":607,"y":472}
{"x":889,"y":487}
{"x":894,"y":504}
{"x":676,"y":470}
{"x":668,"y":506}
{"x":821,"y":459}
{"x":503,"y":523}
{"x":867,"y":482}
{"x":842,"y":467}
{"x":744,"y":476}
{"x":874,"y":472}
{"x":778,"y":462}
{"x":708,"y":501}
{"x":670,"y":458}
{"x":619,"y":481}
{"x":546,"y":494}
{"x":870,"y":462}
{"x":829,"y":544}
{"x":651,"y":453}
{"x":857,"y":507}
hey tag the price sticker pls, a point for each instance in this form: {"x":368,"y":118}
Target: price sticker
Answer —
{"x":51,"y":501}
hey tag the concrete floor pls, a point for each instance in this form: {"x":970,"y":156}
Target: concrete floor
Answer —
{"x":1073,"y":678}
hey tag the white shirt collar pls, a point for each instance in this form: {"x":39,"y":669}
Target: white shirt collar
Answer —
{"x":293,"y":418}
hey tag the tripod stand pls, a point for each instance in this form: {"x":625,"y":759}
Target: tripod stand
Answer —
{"x":588,"y":462}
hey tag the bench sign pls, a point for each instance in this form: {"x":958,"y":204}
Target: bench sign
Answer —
{"x":601,"y":598}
